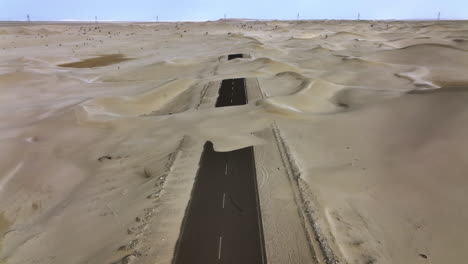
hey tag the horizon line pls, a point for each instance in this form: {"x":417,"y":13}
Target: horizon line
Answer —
{"x":229,"y":19}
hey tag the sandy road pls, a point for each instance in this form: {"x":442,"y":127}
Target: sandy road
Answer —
{"x":223,"y":221}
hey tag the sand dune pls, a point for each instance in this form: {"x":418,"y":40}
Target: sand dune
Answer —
{"x":311,"y":97}
{"x":365,"y":122}
{"x":137,"y":105}
{"x":417,"y":55}
{"x":366,"y":176}
{"x":445,"y":64}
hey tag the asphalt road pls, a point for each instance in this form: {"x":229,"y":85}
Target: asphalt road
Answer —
{"x":231,"y":93}
{"x":223,"y":221}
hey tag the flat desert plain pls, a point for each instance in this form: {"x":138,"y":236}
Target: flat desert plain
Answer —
{"x":359,"y":130}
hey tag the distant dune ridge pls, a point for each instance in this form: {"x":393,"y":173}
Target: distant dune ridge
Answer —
{"x":361,"y":124}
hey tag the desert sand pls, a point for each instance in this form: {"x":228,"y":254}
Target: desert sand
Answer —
{"x":359,"y":130}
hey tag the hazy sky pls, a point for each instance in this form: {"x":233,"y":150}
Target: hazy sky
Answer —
{"x":215,"y":9}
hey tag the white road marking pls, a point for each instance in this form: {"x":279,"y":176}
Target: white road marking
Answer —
{"x":224,"y":198}
{"x":219,"y":246}
{"x":225,"y":170}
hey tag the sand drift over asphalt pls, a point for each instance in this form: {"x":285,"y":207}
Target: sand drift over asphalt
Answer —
{"x":360,"y":127}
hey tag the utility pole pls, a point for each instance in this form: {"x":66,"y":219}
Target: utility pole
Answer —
{"x":29,"y":18}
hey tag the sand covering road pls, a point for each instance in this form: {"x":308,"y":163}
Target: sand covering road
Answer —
{"x":98,"y":163}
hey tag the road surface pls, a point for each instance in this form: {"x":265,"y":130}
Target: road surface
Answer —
{"x":223,"y":220}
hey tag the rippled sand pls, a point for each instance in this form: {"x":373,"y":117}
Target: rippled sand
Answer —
{"x":102,"y":127}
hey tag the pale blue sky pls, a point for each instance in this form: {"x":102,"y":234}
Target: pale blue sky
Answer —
{"x":137,"y":10}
